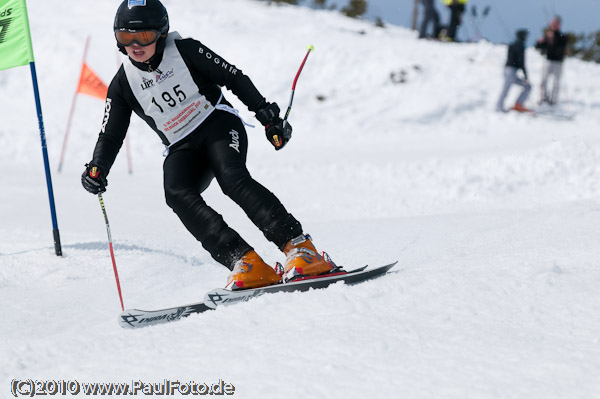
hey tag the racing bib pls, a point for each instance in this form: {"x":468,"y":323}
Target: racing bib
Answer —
{"x":169,"y":95}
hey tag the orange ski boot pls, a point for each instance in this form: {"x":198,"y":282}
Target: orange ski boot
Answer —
{"x":302,"y":259}
{"x":251,"y":272}
{"x":520,"y":108}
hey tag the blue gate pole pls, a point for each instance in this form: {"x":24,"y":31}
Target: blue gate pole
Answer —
{"x":38,"y":105}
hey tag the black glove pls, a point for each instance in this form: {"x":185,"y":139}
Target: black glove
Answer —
{"x":94,"y":179}
{"x":278,"y":132}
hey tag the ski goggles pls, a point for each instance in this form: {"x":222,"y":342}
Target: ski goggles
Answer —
{"x":143,"y":37}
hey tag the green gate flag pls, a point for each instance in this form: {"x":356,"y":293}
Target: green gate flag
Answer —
{"x":15,"y":39}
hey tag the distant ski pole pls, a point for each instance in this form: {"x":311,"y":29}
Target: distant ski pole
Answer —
{"x":110,"y":246}
{"x":289,"y":109}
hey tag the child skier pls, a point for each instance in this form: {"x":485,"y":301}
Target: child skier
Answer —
{"x":174,"y":85}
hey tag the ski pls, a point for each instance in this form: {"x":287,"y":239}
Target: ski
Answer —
{"x":220,"y":296}
{"x":558,"y":115}
{"x":548,"y":113}
{"x":553,"y":112}
{"x":135,"y":318}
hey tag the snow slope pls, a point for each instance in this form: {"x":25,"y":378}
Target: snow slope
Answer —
{"x":494,"y":219}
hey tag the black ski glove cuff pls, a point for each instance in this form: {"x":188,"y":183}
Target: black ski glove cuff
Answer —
{"x":268,"y":115}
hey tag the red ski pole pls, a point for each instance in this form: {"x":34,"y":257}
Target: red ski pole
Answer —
{"x":110,"y":246}
{"x":289,"y":109}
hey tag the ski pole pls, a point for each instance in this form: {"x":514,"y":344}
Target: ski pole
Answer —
{"x":110,"y":246}
{"x":289,"y":109}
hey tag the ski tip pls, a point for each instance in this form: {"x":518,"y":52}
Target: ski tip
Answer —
{"x":310,"y":47}
{"x":386,"y":267}
{"x":392,"y":264}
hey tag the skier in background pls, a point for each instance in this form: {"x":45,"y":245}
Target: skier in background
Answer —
{"x":430,"y":15}
{"x":174,"y":85}
{"x":554,"y":44}
{"x":457,"y":8}
{"x":514,"y":62}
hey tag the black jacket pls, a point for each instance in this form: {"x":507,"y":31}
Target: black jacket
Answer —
{"x":516,"y":56}
{"x":208,"y":76}
{"x":555,"y":50}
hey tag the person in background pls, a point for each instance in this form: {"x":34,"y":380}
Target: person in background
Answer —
{"x":554,"y":44}
{"x":457,"y":8}
{"x":514,"y":62}
{"x":430,"y":15}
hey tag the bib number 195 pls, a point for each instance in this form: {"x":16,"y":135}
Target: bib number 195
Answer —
{"x":169,"y":99}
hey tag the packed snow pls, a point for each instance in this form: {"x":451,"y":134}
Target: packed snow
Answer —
{"x":397,"y":154}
